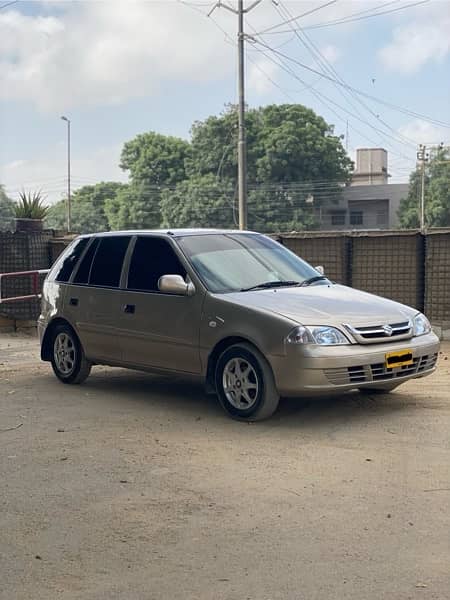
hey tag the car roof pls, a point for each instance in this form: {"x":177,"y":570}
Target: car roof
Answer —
{"x":167,"y":232}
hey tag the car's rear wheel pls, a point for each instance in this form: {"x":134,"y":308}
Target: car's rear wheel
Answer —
{"x":245,"y":383}
{"x":68,"y":360}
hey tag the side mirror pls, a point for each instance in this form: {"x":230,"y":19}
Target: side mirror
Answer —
{"x":320,"y":269}
{"x":175,"y":284}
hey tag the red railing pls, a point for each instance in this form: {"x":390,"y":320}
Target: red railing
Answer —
{"x":35,"y":281}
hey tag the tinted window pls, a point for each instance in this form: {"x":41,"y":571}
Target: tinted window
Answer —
{"x":152,"y":258}
{"x":69,"y":261}
{"x":82,"y":274}
{"x":108,"y":260}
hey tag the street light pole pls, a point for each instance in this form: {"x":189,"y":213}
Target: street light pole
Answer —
{"x":69,"y":206}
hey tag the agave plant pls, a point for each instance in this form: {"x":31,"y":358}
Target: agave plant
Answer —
{"x":31,"y":206}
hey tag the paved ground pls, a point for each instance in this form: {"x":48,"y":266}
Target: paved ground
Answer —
{"x":134,"y":487}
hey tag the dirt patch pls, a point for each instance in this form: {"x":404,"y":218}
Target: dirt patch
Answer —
{"x":138,"y":487}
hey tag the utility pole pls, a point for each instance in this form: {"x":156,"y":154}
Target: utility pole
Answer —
{"x":422,"y":157}
{"x":242,"y":142}
{"x":69,"y":202}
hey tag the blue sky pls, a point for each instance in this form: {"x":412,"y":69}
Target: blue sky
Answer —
{"x":117,"y":69}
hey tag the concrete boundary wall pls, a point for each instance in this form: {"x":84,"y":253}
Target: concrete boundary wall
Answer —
{"x":405,"y":266}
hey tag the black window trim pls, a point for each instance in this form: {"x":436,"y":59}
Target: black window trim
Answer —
{"x":80,"y":260}
{"x":178,"y":253}
{"x":101,"y":287}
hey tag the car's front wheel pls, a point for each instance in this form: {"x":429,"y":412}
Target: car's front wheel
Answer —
{"x":68,"y":360}
{"x":245,"y":383}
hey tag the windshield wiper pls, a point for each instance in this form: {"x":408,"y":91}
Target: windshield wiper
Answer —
{"x":312,"y":280}
{"x":269,"y":284}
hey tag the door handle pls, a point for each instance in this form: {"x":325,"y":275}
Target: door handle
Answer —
{"x":73,"y":302}
{"x":129,"y":309}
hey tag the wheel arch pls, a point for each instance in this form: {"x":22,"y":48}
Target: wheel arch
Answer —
{"x":218,"y":349}
{"x":46,"y":345}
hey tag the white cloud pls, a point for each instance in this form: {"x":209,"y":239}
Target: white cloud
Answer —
{"x":420,"y":41}
{"x":259,"y":73}
{"x":48,"y":172}
{"x":106,"y":52}
{"x":423,"y":132}
{"x":331,"y":53}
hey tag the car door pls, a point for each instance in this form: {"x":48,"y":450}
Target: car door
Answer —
{"x":94,"y":299}
{"x":159,"y":330}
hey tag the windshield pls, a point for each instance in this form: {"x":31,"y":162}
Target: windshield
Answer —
{"x":237,"y":262}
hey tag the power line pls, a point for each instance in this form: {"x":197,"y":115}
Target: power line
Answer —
{"x":322,"y":61}
{"x":309,"y":12}
{"x":352,"y":18}
{"x":357,"y":91}
{"x":8,"y":4}
{"x":325,"y":100}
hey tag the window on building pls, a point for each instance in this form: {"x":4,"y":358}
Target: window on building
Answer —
{"x":70,"y":260}
{"x":356,"y":217}
{"x":338,"y":218}
{"x":382,"y":217}
{"x":152,"y":258}
{"x":107,"y":264}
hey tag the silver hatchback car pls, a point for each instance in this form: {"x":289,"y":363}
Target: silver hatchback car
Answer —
{"x":236,"y":309}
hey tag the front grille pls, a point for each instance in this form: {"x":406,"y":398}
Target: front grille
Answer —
{"x":381,"y":333}
{"x":378,"y":372}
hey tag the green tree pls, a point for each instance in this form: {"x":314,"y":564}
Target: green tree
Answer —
{"x":134,"y":207}
{"x":285,"y":143}
{"x":153,"y":159}
{"x":201,"y":201}
{"x":6,"y":211}
{"x":87,"y":208}
{"x":291,"y":151}
{"x":437,"y":193}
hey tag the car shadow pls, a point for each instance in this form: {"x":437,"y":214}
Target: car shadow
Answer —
{"x":188,"y":399}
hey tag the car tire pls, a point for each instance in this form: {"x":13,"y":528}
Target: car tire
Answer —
{"x":67,"y":356}
{"x":245,"y":384}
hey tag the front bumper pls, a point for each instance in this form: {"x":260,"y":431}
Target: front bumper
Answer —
{"x":312,"y":369}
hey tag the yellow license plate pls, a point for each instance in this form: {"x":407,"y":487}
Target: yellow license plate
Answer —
{"x":400,"y":358}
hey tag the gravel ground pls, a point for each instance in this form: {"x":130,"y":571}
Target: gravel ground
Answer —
{"x":138,"y":487}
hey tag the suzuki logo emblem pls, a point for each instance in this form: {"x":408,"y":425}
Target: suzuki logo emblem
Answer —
{"x":388,"y":330}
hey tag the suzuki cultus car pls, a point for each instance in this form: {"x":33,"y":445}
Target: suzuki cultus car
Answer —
{"x":236,"y":309}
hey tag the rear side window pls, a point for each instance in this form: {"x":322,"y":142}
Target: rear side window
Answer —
{"x":64,"y":270}
{"x":152,"y":258}
{"x":107,"y":265}
{"x":82,"y":274}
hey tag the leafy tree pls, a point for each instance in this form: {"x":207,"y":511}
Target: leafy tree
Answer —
{"x":437,"y":193}
{"x":6,"y":210}
{"x":201,"y":201}
{"x":291,"y":151}
{"x":87,"y":208}
{"x":134,"y":207}
{"x":154,"y":159}
{"x":285,"y":143}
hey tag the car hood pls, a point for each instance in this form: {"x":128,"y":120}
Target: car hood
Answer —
{"x":325,"y":305}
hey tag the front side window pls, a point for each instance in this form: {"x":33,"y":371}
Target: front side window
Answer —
{"x":152,"y":258}
{"x":68,"y":261}
{"x":234,"y":262}
{"x":108,"y":260}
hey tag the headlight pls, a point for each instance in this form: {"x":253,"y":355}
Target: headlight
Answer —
{"x":421,"y":325}
{"x":324,"y":336}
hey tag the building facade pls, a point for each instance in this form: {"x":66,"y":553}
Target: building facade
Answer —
{"x":369,"y":202}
